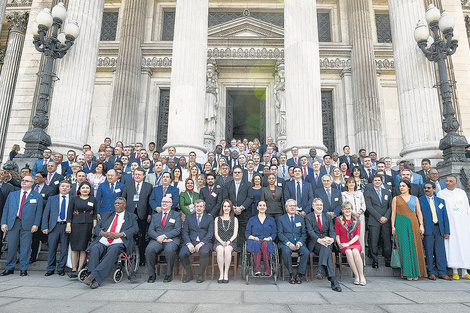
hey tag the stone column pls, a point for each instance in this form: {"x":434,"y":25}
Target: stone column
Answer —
{"x":212,"y":105}
{"x":72,"y":99}
{"x":303,"y":88}
{"x":126,"y":87}
{"x":146,"y":127}
{"x":8,"y":76}
{"x":188,"y":77}
{"x":418,"y":101}
{"x":348,"y":111}
{"x":3,"y":6}
{"x":367,"y":111}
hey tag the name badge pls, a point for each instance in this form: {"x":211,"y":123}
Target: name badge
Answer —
{"x":386,"y":197}
{"x":441,"y":206}
{"x":336,"y":199}
{"x":279,"y":184}
{"x":389,"y":183}
{"x":171,"y":220}
{"x":117,"y":190}
{"x":33,"y":201}
{"x":214,"y":194}
{"x":90,"y":203}
{"x":298,"y":224}
{"x":136,"y":197}
{"x":43,"y":195}
{"x":168,"y":195}
{"x":56,"y":182}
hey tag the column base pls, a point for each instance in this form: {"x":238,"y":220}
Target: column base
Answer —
{"x":185,"y":149}
{"x":305,"y":146}
{"x":64,"y":147}
{"x":419,"y":151}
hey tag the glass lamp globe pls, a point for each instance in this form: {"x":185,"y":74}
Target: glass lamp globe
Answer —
{"x":72,"y":29}
{"x":45,"y":18}
{"x":59,"y":11}
{"x":421,"y":32}
{"x":432,"y":14}
{"x":446,"y":22}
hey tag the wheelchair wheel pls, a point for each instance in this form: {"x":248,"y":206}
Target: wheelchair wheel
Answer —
{"x":82,"y":274}
{"x":132,"y":265}
{"x":117,"y":277}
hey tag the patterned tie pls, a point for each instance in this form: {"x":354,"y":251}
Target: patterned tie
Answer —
{"x":164,"y":220}
{"x":23,"y":199}
{"x":62,"y":209}
{"x":433,"y":211}
{"x":113,"y":227}
{"x":210,"y":191}
{"x":36,"y":188}
{"x":198,"y":220}
{"x":112,"y":188}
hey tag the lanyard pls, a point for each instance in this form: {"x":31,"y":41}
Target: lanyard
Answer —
{"x":191,"y":197}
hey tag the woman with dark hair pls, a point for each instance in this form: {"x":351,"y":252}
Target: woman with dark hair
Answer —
{"x":274,"y":198}
{"x":225,"y":233}
{"x":177,"y":180}
{"x":275,"y":161}
{"x":81,"y":219}
{"x":97,"y":176}
{"x":207,"y":168}
{"x":256,"y":182}
{"x":359,"y":177}
{"x":358,"y":203}
{"x":119,"y":144}
{"x":407,"y":226}
{"x":188,"y":197}
{"x":343,"y":166}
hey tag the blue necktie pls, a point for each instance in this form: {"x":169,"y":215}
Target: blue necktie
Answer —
{"x":293,"y":227}
{"x":299,"y":195}
{"x":62,"y":209}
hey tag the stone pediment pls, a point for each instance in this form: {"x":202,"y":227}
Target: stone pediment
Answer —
{"x":246,"y":27}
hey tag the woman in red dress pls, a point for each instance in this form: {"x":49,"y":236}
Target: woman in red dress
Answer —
{"x":348,"y":229}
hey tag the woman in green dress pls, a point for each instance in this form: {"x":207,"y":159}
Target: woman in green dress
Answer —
{"x":188,"y":197}
{"x":407,"y":226}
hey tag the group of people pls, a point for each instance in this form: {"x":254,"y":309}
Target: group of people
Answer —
{"x":244,"y":193}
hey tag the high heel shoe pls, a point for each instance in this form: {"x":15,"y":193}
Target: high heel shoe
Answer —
{"x":363,"y":283}
{"x":220,"y":281}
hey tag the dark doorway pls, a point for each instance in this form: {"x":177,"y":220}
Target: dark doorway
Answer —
{"x":328,"y":122}
{"x":246,"y":114}
{"x":163,"y":110}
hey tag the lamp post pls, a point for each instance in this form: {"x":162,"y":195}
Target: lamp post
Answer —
{"x":443,"y":42}
{"x":53,"y":47}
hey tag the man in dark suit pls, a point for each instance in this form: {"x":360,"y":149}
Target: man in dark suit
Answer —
{"x":436,"y":229}
{"x":434,"y":177}
{"x":331,"y":197}
{"x":241,"y":195}
{"x":212,"y":196}
{"x":159,"y":192}
{"x":198,"y":230}
{"x":306,"y":170}
{"x":294,"y":161}
{"x":71,"y":155}
{"x":61,"y":168}
{"x":367,"y":169}
{"x":346,"y":157}
{"x":315,"y":178}
{"x":41,"y":164}
{"x":388,"y":169}
{"x":301,"y":191}
{"x":164,"y":233}
{"x":137,"y":194}
{"x":292,"y":236}
{"x":321,"y":236}
{"x":223,"y":179}
{"x":81,"y":177}
{"x":21,"y":218}
{"x":249,"y":172}
{"x":263,"y":148}
{"x":115,"y":234}
{"x":425,"y":167}
{"x":107,"y":193}
{"x":416,"y":190}
{"x":379,"y":205}
{"x":5,"y":189}
{"x":53,"y":225}
{"x":327,"y":167}
{"x":89,"y":163}
{"x":387,"y":181}
{"x":53,"y":179}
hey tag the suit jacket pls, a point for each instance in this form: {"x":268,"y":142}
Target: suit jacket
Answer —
{"x":204,"y":231}
{"x":37,"y":167}
{"x":315,"y":183}
{"x":245,"y":175}
{"x":172,"y":227}
{"x":5,"y":190}
{"x":286,"y":233}
{"x":324,"y":171}
{"x":336,"y":200}
{"x":73,"y":190}
{"x":441,"y":213}
{"x":275,"y":204}
{"x":313,"y":231}
{"x":157,"y":196}
{"x":423,"y":175}
{"x":309,"y":172}
{"x":46,"y":192}
{"x":141,"y":207}
{"x":307,"y":194}
{"x":32,"y":209}
{"x":90,"y":166}
{"x":213,"y":201}
{"x":126,"y":178}
{"x":54,"y":182}
{"x":366,"y":173}
{"x":244,"y":197}
{"x":344,"y":158}
{"x":105,"y":198}
{"x":291,"y":162}
{"x":441,"y":184}
{"x":63,"y":168}
{"x":416,"y":190}
{"x":51,"y":213}
{"x":222,"y":181}
{"x":153,"y":179}
{"x":375,"y":207}
{"x":280,"y":172}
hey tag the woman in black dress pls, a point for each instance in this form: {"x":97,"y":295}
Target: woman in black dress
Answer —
{"x":274,"y":198}
{"x":81,"y":219}
{"x":225,"y":233}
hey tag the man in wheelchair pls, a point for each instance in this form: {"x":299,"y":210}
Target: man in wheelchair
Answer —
{"x":115,"y":234}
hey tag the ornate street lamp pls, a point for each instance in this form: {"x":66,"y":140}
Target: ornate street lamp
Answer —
{"x":54,"y":47}
{"x":443,"y":42}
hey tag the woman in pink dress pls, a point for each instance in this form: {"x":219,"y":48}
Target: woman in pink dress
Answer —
{"x":348,"y":229}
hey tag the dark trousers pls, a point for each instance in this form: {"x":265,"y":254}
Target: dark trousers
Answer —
{"x":325,"y":260}
{"x":377,"y":232}
{"x":434,"y":243}
{"x":204,"y":253}
{"x":102,"y":259}
{"x":304,"y":256}
{"x":22,"y":237}
{"x":154,"y":248}
{"x":37,"y":237}
{"x":56,"y":236}
{"x":141,"y":242}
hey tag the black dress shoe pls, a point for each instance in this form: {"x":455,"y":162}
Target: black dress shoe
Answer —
{"x":225,"y":281}
{"x":319,"y":275}
{"x":335,"y":286}
{"x":31,"y":261}
{"x":375,"y":264}
{"x":200,"y":279}
{"x":186,"y":278}
{"x":387,"y":264}
{"x":49,"y":273}
{"x":73,"y":274}
{"x":24,"y":273}
{"x":291,"y":279}
{"x":8,"y":272}
{"x":61,"y":273}
{"x":167,"y":279}
{"x":151,"y":278}
{"x":298,"y":279}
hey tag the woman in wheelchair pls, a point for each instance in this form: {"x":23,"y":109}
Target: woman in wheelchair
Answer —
{"x":225,"y":233}
{"x":260,"y":232}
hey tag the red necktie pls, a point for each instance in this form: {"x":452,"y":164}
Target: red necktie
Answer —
{"x":319,"y":223}
{"x":48,"y":178}
{"x":23,"y":200}
{"x":164,"y":191}
{"x":305,"y":173}
{"x":210,"y":191}
{"x":45,"y":162}
{"x":113,"y":227}
{"x":164,"y":220}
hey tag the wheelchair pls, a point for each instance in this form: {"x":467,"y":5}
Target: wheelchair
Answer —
{"x":124,"y":263}
{"x":247,"y":265}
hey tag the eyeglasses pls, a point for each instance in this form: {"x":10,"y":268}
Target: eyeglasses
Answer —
{"x":237,"y":172}
{"x":27,"y":181}
{"x":166,"y":201}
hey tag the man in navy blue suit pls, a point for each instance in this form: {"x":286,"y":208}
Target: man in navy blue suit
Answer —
{"x":425,"y":167}
{"x":53,"y":179}
{"x":436,"y":229}
{"x":294,"y":161}
{"x":292,"y":236}
{"x":198,"y":230}
{"x":301,"y":191}
{"x":53,"y":225}
{"x":331,"y":197}
{"x":41,"y":163}
{"x":108,"y":192}
{"x":315,"y":177}
{"x":164,"y":190}
{"x":21,"y":218}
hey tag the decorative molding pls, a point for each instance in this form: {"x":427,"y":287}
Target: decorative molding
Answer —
{"x":19,"y":3}
{"x":246,"y":53}
{"x":18,"y":21}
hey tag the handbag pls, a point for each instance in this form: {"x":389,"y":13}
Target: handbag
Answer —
{"x":395,"y":259}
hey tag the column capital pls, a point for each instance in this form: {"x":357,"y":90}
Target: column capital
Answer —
{"x":18,"y":21}
{"x":345,"y":72}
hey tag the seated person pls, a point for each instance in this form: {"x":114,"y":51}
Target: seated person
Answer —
{"x":348,"y":229}
{"x":260,"y":232}
{"x":164,"y":232}
{"x":292,"y":238}
{"x":115,"y":234}
{"x":321,"y":234}
{"x":198,"y":230}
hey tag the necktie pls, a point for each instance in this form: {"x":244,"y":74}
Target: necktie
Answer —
{"x":113,"y":227}
{"x":319,"y":224}
{"x":49,"y":176}
{"x":210,"y":191}
{"x":45,"y":162}
{"x":284,"y":169}
{"x":305,"y":173}
{"x":164,"y":191}
{"x":316,"y":178}
{"x":299,"y":195}
{"x":379,"y":193}
{"x":112,"y":188}
{"x":164,"y":220}
{"x":370,"y":172}
{"x":328,"y":194}
{"x":36,"y":188}
{"x":138,"y":189}
{"x":292,"y":221}
{"x":433,"y":211}
{"x":198,"y":220}
{"x":23,"y":199}
{"x":62,"y":209}
{"x":237,"y":186}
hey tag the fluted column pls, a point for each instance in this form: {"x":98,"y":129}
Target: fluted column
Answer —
{"x":72,"y":99}
{"x":347,"y":111}
{"x":303,"y":88}
{"x":367,"y":111}
{"x":3,"y":6}
{"x":188,"y":77}
{"x":8,"y":76}
{"x":417,"y":99}
{"x":126,"y":87}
